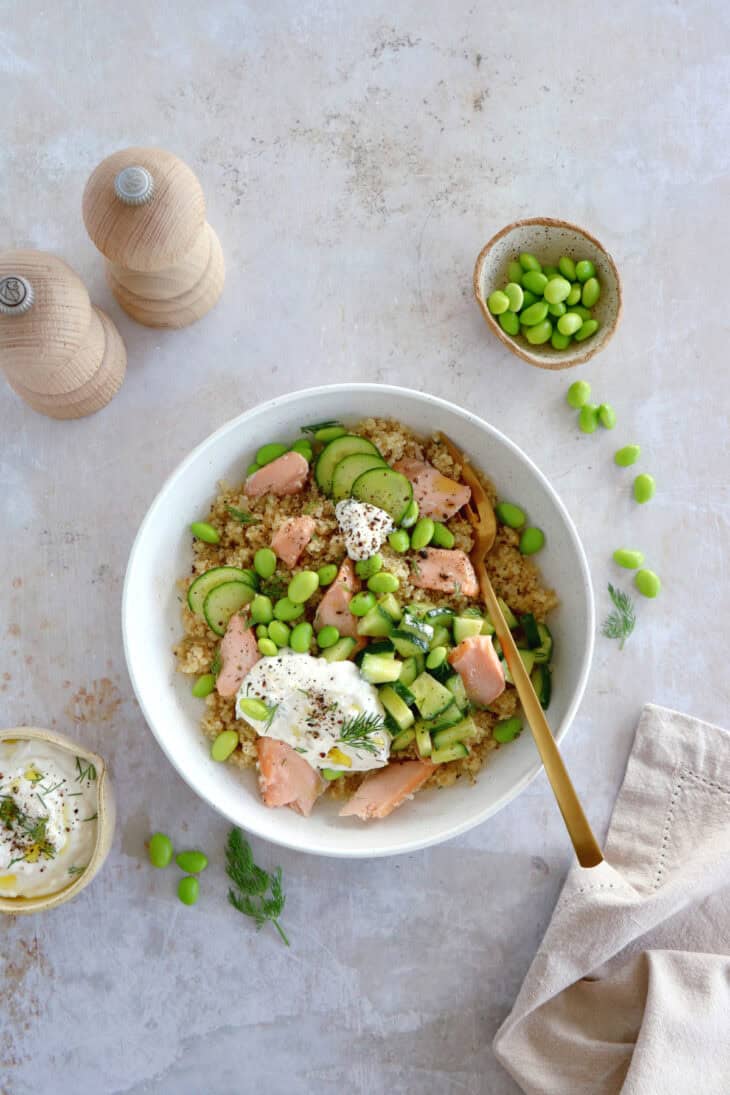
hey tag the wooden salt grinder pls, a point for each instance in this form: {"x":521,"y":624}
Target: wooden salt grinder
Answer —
{"x":62,"y":355}
{"x":145,"y":211}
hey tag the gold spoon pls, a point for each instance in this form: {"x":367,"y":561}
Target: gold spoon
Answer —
{"x":480,"y":514}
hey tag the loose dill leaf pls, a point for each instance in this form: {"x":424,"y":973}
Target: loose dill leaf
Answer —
{"x":215,"y":665}
{"x":85,"y":771}
{"x":270,"y":717}
{"x":255,"y":892}
{"x":358,"y":731}
{"x":320,"y":426}
{"x":244,"y":517}
{"x":620,"y":623}
{"x":274,"y":587}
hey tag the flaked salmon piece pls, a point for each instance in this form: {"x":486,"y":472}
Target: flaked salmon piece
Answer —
{"x":239,"y":654}
{"x":476,"y":662}
{"x":446,"y":570}
{"x":437,"y":495}
{"x":285,"y":778}
{"x":291,"y":538}
{"x":384,"y":791}
{"x":285,"y":475}
{"x":334,"y":608}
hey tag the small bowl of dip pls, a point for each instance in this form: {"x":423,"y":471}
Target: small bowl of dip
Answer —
{"x":57,"y":818}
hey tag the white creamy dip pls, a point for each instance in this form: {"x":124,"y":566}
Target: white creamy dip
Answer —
{"x":48,"y":817}
{"x":364,"y":527}
{"x":313,"y":706}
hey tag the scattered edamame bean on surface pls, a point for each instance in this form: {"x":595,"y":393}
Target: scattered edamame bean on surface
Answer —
{"x":188,"y":890}
{"x":252,"y":469}
{"x":361,"y":603}
{"x":329,"y":433}
{"x":627,"y":456}
{"x":400,"y":541}
{"x":607,"y":416}
{"x":192,"y":862}
{"x":279,"y":632}
{"x":422,"y":533}
{"x":268,"y":453}
{"x":253,"y":708}
{"x":588,"y":418}
{"x":262,"y":610}
{"x":510,"y":514}
{"x":647,"y":583}
{"x":160,"y":850}
{"x":644,"y":488}
{"x":302,"y":586}
{"x":264,"y":562}
{"x":224,"y":745}
{"x":442,"y":536}
{"x":384,"y":582}
{"x":532,"y":540}
{"x":327,"y":637}
{"x":267,"y":647}
{"x":301,"y":637}
{"x":365,"y":568}
{"x":436,"y":657}
{"x":327,"y":574}
{"x":304,"y":448}
{"x":627,"y":558}
{"x":579,"y":393}
{"x":262,"y":631}
{"x":201,"y":530}
{"x":286,"y":610}
{"x":204,"y":686}
{"x":507,"y":730}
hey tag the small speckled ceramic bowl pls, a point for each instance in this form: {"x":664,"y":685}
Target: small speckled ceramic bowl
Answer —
{"x":104,"y":831}
{"x":548,"y":240}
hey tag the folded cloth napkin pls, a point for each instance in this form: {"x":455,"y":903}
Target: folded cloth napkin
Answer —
{"x":630,"y":989}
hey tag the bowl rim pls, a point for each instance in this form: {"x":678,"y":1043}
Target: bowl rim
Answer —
{"x":528,"y":355}
{"x":353,"y":389}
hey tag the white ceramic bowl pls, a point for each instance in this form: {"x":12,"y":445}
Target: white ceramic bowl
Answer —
{"x":151,"y":622}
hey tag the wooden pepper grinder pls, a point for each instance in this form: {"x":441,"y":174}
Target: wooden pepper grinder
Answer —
{"x":62,"y":355}
{"x":145,"y":211}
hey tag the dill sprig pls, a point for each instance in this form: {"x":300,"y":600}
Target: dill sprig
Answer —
{"x":358,"y":731}
{"x":244,"y":517}
{"x":620,"y":623}
{"x":255,"y":892}
{"x":320,"y":426}
{"x":215,"y":665}
{"x":273,"y":587}
{"x":85,"y":771}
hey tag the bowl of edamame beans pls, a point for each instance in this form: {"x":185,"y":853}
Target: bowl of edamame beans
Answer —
{"x":549,"y":291}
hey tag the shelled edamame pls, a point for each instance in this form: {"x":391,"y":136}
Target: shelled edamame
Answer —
{"x":193,"y":862}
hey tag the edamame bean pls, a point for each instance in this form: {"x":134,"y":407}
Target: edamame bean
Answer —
{"x":515,"y":272}
{"x":422,"y":533}
{"x":279,"y":633}
{"x":262,"y":610}
{"x":529,"y":262}
{"x":584,"y":270}
{"x":301,"y":637}
{"x":539,"y":333}
{"x":591,"y":292}
{"x":385,"y":582}
{"x":327,"y":637}
{"x":558,"y":341}
{"x":557,"y":310}
{"x":588,"y":418}
{"x":224,"y":745}
{"x":566,"y":266}
{"x":192,"y":862}
{"x":579,"y":310}
{"x":329,"y":433}
{"x":497,"y":302}
{"x":626,"y":456}
{"x":628,"y":559}
{"x":514,"y":295}
{"x":607,"y":416}
{"x":365,"y":568}
{"x":510,"y":515}
{"x":510,"y":323}
{"x":268,"y":453}
{"x":535,"y":282}
{"x":262,"y":631}
{"x":254,"y":709}
{"x":267,"y":647}
{"x":574,"y":295}
{"x":399,"y":541}
{"x":264,"y":562}
{"x":590,"y":326}
{"x":569,"y":323}
{"x":579,"y":392}
{"x":410,"y":517}
{"x":327,"y":574}
{"x":644,"y":488}
{"x":507,"y":730}
{"x":436,"y":657}
{"x":251,"y":469}
{"x":304,"y":448}
{"x":550,"y":271}
{"x":302,"y":586}
{"x":201,"y":530}
{"x":528,"y":298}
{"x":286,"y":610}
{"x":557,"y":289}
{"x":160,"y":850}
{"x":361,"y":603}
{"x":531,"y":541}
{"x":442,"y":536}
{"x":647,"y":583}
{"x":203,"y":686}
{"x":535,"y":314}
{"x":188,"y":890}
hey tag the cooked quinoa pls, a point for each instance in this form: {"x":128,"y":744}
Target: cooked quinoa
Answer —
{"x":514,"y":576}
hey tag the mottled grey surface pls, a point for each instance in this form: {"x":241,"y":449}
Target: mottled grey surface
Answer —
{"x":355,"y":160}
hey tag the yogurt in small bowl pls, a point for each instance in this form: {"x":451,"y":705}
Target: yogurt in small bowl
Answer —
{"x":56,"y":818}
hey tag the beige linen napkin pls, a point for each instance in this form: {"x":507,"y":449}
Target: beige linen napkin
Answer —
{"x":630,"y":989}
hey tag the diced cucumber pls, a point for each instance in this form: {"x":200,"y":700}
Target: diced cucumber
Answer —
{"x":466,"y":626}
{"x":544,"y":651}
{"x":403,"y":740}
{"x":223,"y":601}
{"x":384,"y":488}
{"x":441,"y":637}
{"x":431,"y":697}
{"x":449,"y":717}
{"x":487,"y":627}
{"x":403,"y":690}
{"x":542,"y":682}
{"x":461,"y":731}
{"x":399,"y":711}
{"x":456,"y":687}
{"x":419,"y":628}
{"x":204,"y":583}
{"x":377,"y":623}
{"x":341,"y":650}
{"x":406,"y":644}
{"x":529,"y":626}
{"x":471,"y":610}
{"x":348,"y":470}
{"x":380,"y":669}
{"x":337,"y":450}
{"x":450,"y":752}
{"x":423,"y":740}
{"x":528,"y":660}
{"x":388,"y":603}
{"x":408,"y":673}
{"x":509,"y":617}
{"x":440,"y":616}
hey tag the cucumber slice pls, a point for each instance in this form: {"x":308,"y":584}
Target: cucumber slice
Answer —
{"x":337,"y":450}
{"x":403,"y":690}
{"x":377,"y":646}
{"x":487,"y":627}
{"x":509,"y":617}
{"x":348,"y":470}
{"x":407,"y":645}
{"x":403,"y":740}
{"x":431,"y":697}
{"x":542,"y":682}
{"x":423,"y":740}
{"x":341,"y":650}
{"x":376,"y":624}
{"x":441,"y":637}
{"x":440,"y":617}
{"x":203,"y":584}
{"x":450,"y":717}
{"x":399,"y":711}
{"x":416,"y":627}
{"x":384,"y":488}
{"x":408,"y":674}
{"x":544,"y":651}
{"x":461,"y":731}
{"x":223,"y":601}
{"x":450,"y":752}
{"x":529,"y":626}
{"x":528,"y":660}
{"x":380,"y":669}
{"x":389,"y":604}
{"x":466,"y":626}
{"x":456,"y":687}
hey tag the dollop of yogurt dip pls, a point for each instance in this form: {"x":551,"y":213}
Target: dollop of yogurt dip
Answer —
{"x":363,"y":526}
{"x":48,"y":817}
{"x":324,"y":710}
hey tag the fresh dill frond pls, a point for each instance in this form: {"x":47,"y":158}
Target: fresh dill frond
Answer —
{"x":215,"y":665}
{"x":320,"y":426}
{"x":274,"y":587}
{"x":357,"y":732}
{"x":255,"y":892}
{"x":270,"y":717}
{"x":244,"y":517}
{"x":620,"y":623}
{"x":85,"y":771}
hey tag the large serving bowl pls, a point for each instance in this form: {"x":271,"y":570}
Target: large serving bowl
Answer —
{"x":152,"y":622}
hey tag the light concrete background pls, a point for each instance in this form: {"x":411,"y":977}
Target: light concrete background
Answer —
{"x":355,"y":159}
